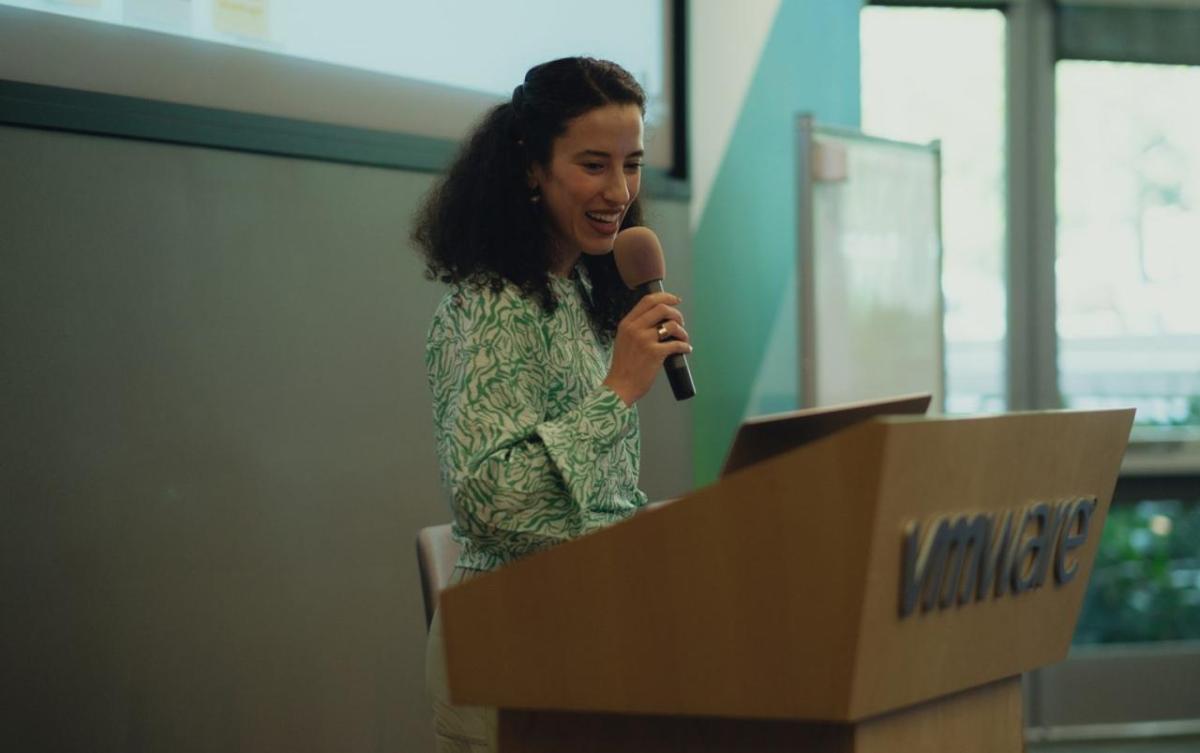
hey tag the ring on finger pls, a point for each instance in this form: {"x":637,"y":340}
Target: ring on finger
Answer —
{"x":663,"y":333}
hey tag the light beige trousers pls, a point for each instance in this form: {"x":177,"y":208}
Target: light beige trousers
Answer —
{"x":457,"y":729}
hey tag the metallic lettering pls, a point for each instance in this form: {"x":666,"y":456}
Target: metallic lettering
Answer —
{"x":976,"y":556}
{"x":966,"y":540}
{"x":996,"y":561}
{"x":1046,"y":555}
{"x":1068,"y":542}
{"x":915,"y":570}
{"x":1028,"y":552}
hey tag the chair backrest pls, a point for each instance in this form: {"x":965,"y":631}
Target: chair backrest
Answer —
{"x":436,"y":554}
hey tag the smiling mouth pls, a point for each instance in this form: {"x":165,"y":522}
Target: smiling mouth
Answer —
{"x":605,"y":218}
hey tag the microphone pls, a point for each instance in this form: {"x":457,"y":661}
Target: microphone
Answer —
{"x":639,"y":258}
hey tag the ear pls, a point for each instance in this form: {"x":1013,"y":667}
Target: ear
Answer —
{"x":535,"y":176}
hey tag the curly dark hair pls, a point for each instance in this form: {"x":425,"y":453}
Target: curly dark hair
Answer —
{"x":478,"y":225}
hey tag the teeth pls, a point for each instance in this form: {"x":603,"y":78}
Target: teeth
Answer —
{"x":603,"y":217}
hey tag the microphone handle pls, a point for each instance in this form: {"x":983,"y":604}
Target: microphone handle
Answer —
{"x":679,"y":374}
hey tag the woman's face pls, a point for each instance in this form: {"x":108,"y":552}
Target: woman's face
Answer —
{"x":594,"y":174}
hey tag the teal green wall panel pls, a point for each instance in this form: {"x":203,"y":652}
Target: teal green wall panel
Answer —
{"x":744,"y":248}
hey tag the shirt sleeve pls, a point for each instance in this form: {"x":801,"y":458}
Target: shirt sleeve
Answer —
{"x":518,"y":481}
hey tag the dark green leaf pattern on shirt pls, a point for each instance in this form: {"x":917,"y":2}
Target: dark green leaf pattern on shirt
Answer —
{"x":533,"y":449}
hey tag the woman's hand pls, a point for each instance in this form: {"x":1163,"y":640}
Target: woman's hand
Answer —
{"x":638,"y":353}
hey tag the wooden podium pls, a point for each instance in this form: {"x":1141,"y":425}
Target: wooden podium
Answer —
{"x":881,"y":589}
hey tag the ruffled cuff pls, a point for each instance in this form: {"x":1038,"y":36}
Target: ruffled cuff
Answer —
{"x":595,"y":448}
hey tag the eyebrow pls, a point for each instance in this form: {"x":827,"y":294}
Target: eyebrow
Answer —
{"x":599,"y":153}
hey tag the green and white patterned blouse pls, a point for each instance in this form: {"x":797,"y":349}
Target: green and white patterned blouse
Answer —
{"x":534,"y":450}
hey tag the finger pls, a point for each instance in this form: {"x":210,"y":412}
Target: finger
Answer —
{"x":670,"y":330}
{"x":651,"y":300}
{"x":673,"y":347}
{"x":659,"y":313}
{"x":675,"y":331}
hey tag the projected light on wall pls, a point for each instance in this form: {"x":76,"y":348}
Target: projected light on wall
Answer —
{"x":476,"y":45}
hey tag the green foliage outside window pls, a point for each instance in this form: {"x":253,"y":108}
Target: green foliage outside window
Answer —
{"x":1145,"y":585}
{"x":1193,"y":416}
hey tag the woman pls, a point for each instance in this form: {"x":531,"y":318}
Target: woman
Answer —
{"x":536,"y":356}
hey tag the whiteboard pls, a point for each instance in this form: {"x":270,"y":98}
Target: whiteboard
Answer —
{"x":870,"y":266}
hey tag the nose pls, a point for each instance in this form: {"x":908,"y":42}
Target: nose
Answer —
{"x":616,"y":190}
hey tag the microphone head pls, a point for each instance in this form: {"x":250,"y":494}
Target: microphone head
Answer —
{"x":639,"y":257}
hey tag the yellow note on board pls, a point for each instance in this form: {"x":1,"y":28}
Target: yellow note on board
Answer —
{"x":245,"y":18}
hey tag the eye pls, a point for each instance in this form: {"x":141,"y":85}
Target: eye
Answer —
{"x":633,"y":167}
{"x":593,"y":167}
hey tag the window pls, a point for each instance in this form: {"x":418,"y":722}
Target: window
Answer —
{"x":911,"y":92}
{"x":1127,"y":273}
{"x":1128,"y":238}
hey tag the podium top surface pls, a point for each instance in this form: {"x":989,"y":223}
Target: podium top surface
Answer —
{"x":893,"y":562}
